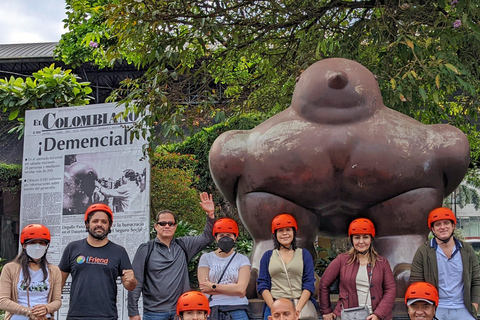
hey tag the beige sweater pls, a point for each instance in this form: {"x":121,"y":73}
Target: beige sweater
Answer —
{"x":9,"y":294}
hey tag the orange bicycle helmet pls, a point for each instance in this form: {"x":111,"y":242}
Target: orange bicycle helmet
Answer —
{"x":99,"y":207}
{"x":361,"y":226}
{"x":35,"y":232}
{"x":422,"y":291}
{"x":225,"y":225}
{"x":441,"y":214}
{"x":192,"y":300}
{"x":284,"y":220}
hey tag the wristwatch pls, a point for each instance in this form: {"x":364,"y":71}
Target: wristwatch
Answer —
{"x":214,"y":287}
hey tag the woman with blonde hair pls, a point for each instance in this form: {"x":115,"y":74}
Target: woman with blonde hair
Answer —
{"x":365,"y":278}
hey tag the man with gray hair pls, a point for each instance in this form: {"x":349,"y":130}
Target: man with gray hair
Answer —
{"x":161,"y":265}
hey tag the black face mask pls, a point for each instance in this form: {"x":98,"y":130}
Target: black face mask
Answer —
{"x":226,"y":244}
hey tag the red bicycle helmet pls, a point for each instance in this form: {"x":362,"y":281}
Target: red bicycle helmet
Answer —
{"x":284,"y":220}
{"x":99,"y":207}
{"x":35,"y":232}
{"x":441,"y":214}
{"x":225,"y":225}
{"x":423,"y":291}
{"x":192,"y":300}
{"x":361,"y":226}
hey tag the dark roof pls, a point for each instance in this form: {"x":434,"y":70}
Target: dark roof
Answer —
{"x":27,"y":50}
{"x":21,"y":60}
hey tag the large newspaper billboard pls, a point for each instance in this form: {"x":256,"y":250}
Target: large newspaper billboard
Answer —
{"x":77,"y":156}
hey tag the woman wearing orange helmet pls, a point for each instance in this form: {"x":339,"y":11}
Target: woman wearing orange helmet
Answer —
{"x":224,"y":274}
{"x":30,"y":287}
{"x":192,"y":305}
{"x":365,"y":277}
{"x":421,"y":299}
{"x":287,"y":271}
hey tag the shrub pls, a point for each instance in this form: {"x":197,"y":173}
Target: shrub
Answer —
{"x":172,"y":180}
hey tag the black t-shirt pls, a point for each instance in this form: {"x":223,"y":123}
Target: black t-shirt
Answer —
{"x":94,"y":270}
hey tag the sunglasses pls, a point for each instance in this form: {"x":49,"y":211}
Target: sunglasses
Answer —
{"x":164,"y":223}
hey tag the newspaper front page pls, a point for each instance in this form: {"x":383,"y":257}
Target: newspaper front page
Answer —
{"x":77,"y":156}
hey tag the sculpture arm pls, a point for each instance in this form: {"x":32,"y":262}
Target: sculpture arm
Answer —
{"x":226,"y":161}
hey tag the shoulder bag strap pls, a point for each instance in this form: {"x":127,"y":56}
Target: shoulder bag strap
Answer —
{"x":223,"y":272}
{"x":150,"y":245}
{"x":369,"y":281}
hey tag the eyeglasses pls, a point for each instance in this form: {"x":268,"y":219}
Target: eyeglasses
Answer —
{"x":164,"y":223}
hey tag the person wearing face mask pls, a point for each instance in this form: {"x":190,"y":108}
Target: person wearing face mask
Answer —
{"x":451,"y":266}
{"x":365,"y":278}
{"x":287,"y":271}
{"x":95,"y":264}
{"x":223,"y":274}
{"x":192,"y":305}
{"x":30,"y":287}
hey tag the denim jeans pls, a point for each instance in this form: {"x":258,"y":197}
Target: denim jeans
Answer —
{"x":239,"y":315}
{"x":453,"y":314}
{"x":267,"y":312}
{"x":169,"y":315}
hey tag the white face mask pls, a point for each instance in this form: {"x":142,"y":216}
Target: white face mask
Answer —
{"x":36,"y":251}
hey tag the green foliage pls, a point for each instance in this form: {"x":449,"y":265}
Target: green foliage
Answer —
{"x":80,"y":44}
{"x":48,"y":88}
{"x":467,"y":192}
{"x":201,"y":142}
{"x":172,"y":180}
{"x":10,"y":177}
{"x":209,"y":60}
{"x":322,"y":263}
{"x":2,"y":263}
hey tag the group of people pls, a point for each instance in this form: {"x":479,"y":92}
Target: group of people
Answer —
{"x":445,"y":274}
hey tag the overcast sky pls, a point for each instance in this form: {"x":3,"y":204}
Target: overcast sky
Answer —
{"x":31,"y":21}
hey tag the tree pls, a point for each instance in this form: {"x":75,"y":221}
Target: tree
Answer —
{"x":48,"y":88}
{"x":209,"y":59}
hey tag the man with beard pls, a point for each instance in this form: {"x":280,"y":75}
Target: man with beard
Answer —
{"x":451,"y":266}
{"x":95,"y":264}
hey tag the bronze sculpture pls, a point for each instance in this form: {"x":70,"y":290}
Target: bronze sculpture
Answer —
{"x":336,"y":154}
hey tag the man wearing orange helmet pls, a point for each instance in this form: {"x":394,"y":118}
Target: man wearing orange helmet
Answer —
{"x":450,"y":265}
{"x":161,"y":265}
{"x":95,"y":264}
{"x":421,"y":299}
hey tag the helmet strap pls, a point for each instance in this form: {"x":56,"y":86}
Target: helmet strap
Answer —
{"x":288,"y":248}
{"x":441,"y":240}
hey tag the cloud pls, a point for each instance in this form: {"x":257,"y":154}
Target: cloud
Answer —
{"x":29,"y":21}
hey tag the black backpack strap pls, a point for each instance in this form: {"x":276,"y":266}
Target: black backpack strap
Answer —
{"x":182,"y":245}
{"x":150,"y":245}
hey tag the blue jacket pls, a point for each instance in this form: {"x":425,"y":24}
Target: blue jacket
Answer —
{"x":264,"y":282}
